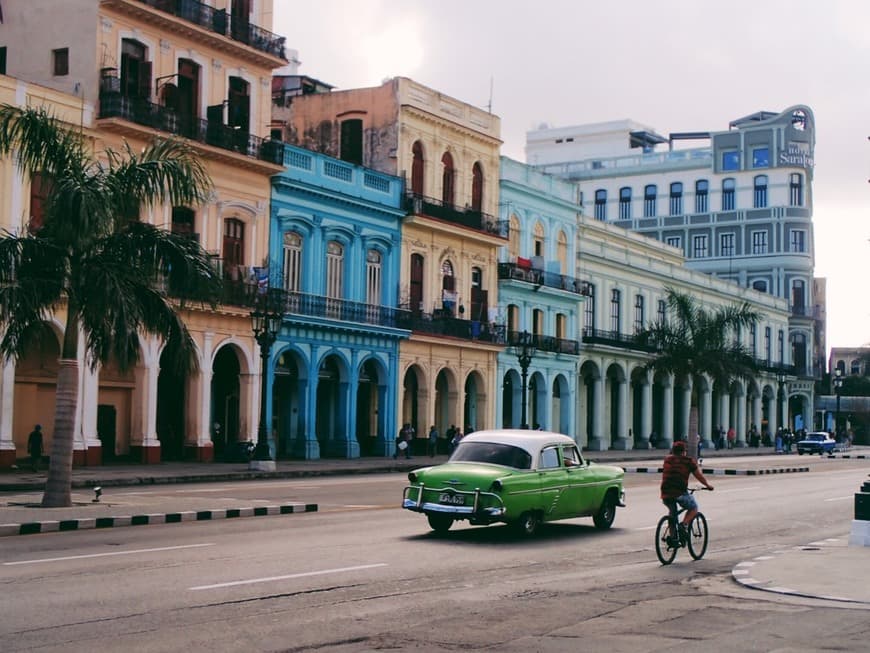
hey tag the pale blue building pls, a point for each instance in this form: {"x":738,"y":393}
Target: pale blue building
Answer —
{"x":334,"y":250}
{"x":541,"y":299}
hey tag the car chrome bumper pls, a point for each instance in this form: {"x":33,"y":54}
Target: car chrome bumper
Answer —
{"x":473,"y":507}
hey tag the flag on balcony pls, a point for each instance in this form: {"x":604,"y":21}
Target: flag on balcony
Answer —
{"x":262,"y":280}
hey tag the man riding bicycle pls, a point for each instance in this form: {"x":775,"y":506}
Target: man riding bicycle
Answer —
{"x":675,"y":485}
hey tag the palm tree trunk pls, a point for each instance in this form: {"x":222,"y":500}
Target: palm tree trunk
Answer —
{"x":59,"y":482}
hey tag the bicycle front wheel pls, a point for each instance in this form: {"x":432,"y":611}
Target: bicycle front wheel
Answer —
{"x":698,"y":537}
{"x":664,"y":550}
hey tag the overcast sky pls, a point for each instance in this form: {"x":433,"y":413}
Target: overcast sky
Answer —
{"x":675,"y":66}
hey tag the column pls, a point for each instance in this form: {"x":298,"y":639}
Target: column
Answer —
{"x":705,"y":400}
{"x":144,"y":443}
{"x":8,"y":454}
{"x":741,"y":419}
{"x":92,"y":448}
{"x":621,"y":441}
{"x":596,"y":439}
{"x":646,"y":410}
{"x":667,"y":437}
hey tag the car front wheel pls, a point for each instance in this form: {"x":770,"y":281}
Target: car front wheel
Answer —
{"x":606,"y":513}
{"x":527,"y":524}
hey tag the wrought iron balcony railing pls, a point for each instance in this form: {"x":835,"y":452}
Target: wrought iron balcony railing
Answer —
{"x":615,"y":339}
{"x":546,"y":343}
{"x":433,"y":208}
{"x":541,"y":278}
{"x":220,"y":22}
{"x":149,"y":114}
{"x":445,"y":325}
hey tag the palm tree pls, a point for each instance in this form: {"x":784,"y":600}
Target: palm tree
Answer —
{"x":695,"y":341}
{"x":93,"y":264}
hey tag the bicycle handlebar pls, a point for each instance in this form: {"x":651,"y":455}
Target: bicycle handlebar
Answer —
{"x":692,"y":490}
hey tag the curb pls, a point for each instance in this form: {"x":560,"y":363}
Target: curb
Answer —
{"x":31,"y":528}
{"x":724,"y":472}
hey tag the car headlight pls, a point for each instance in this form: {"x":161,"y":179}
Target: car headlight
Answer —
{"x":496,"y":486}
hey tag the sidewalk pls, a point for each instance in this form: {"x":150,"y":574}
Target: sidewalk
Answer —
{"x":830,"y":570}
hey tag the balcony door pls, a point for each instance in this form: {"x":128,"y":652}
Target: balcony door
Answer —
{"x":187,"y":97}
{"x":135,"y":70}
{"x":416,"y":289}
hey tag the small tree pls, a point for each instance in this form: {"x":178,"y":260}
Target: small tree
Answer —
{"x":93,"y":263}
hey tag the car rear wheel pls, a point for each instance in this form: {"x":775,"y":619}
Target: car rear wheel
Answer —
{"x":439,"y":523}
{"x":606,"y":513}
{"x":527,"y":524}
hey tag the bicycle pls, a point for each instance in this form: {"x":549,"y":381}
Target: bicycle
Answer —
{"x":668,"y":539}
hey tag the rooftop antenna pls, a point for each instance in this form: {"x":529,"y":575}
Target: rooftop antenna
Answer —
{"x":489,"y":104}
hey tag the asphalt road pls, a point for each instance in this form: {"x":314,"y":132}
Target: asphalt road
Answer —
{"x":362,"y":575}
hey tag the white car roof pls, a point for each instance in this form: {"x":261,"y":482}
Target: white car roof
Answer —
{"x":531,"y":441}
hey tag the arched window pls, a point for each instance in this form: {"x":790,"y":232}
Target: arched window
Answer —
{"x":676,"y":205}
{"x":759,"y":197}
{"x":625,"y":203}
{"x":416,"y":286}
{"x":449,"y":296}
{"x":373,"y":277}
{"x":292,"y":261}
{"x":135,"y":73}
{"x":562,"y":252}
{"x":334,"y":270}
{"x":234,"y":248}
{"x":728,"y":189}
{"x":649,"y":201}
{"x":702,"y":191}
{"x":477,"y":187}
{"x":514,"y":238}
{"x":448,"y":176}
{"x":601,"y":204}
{"x":417,"y":169}
{"x":538,"y":240}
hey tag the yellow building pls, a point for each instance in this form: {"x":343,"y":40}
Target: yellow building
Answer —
{"x":448,"y":152}
{"x":138,"y":70}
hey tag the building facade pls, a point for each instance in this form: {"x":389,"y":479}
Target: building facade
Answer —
{"x":334,"y":252}
{"x":541,"y":300}
{"x":738,"y":207}
{"x":447,"y":151}
{"x":141,"y":70}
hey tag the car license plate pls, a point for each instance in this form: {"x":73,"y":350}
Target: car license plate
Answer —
{"x":452,"y":499}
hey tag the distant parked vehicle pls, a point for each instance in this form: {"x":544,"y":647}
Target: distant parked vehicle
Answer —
{"x":817,"y":442}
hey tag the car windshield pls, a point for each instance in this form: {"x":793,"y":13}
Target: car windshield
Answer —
{"x":492,"y":452}
{"x":815,"y":436}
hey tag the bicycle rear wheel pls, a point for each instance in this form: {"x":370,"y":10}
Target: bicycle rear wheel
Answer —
{"x":698,"y":537}
{"x":665,"y":551}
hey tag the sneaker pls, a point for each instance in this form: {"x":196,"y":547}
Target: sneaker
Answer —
{"x":672,"y":541}
{"x":684,"y":533}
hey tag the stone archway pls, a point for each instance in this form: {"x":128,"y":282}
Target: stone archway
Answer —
{"x":225,"y":403}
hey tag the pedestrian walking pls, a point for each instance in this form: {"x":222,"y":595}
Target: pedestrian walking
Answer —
{"x":732,"y":436}
{"x":34,"y":447}
{"x":433,"y":441}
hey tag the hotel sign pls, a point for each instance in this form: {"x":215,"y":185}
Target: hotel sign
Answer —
{"x":797,"y":154}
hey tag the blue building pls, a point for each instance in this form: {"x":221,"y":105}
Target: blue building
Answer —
{"x":542,"y":300}
{"x":334,"y":250}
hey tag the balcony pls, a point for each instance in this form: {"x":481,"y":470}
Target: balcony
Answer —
{"x":442,"y":324}
{"x":615,"y":339}
{"x":538,"y":278}
{"x":207,"y":23}
{"x":550,"y":344}
{"x":477,"y":220}
{"x":113,"y":105}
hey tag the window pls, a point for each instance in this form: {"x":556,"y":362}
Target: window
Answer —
{"x":796,"y":189}
{"x":40,"y":189}
{"x":753,"y":346}
{"x":352,"y":141}
{"x":373,"y":277}
{"x":136,"y":73}
{"x":625,"y":203}
{"x":415,"y":298}
{"x":702,"y":191}
{"x":477,"y":187}
{"x":292,"y":261}
{"x":797,"y":297}
{"x":549,"y":458}
{"x":726,"y":245}
{"x":797,"y":240}
{"x":649,"y":201}
{"x":417,"y":169}
{"x":615,"y":297}
{"x":662,"y":311}
{"x":731,"y":160}
{"x":514,"y":237}
{"x":676,"y":198}
{"x":589,"y":309}
{"x":759,"y":242}
{"x":728,"y":190}
{"x":760,"y":285}
{"x":561,"y":325}
{"x":674,"y":241}
{"x":699,"y":246}
{"x":537,"y":322}
{"x":760,"y":157}
{"x":334,"y":270}
{"x":759,"y":197}
{"x":639,"y":317}
{"x":447,"y":177}
{"x":233,"y":247}
{"x":780,"y":345}
{"x":562,"y":252}
{"x":538,"y":239}
{"x":183,"y":221}
{"x":2,"y":60}
{"x":479,"y":299}
{"x":767,"y":344}
{"x":601,"y":204}
{"x":60,"y":62}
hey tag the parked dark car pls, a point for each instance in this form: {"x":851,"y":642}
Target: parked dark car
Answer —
{"x":818,"y":442}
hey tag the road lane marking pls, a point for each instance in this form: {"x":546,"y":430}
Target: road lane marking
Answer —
{"x":271,"y":579}
{"x":111,"y":553}
{"x":851,"y":496}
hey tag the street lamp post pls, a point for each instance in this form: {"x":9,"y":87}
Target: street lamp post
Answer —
{"x":838,"y":389}
{"x":781,"y":415}
{"x":525,"y":353}
{"x":265,"y":323}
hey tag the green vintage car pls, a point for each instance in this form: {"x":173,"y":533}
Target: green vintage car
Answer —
{"x":516,"y":477}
